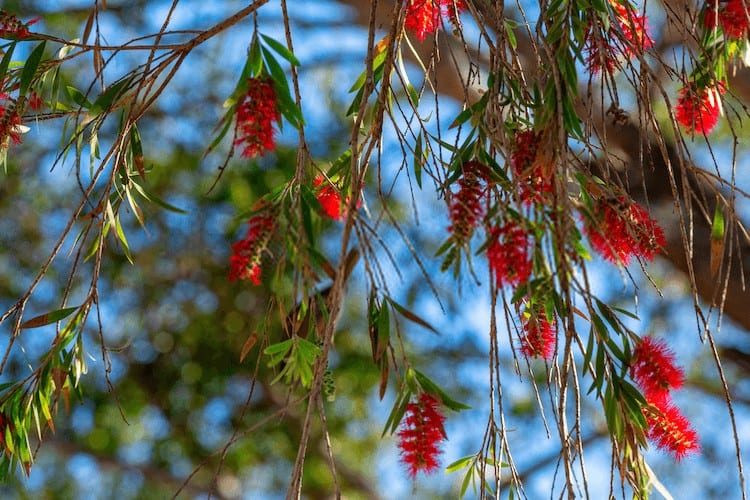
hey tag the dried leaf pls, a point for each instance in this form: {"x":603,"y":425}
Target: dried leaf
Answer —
{"x":249,"y":343}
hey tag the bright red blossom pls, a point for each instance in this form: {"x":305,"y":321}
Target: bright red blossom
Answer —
{"x":609,"y":51}
{"x":12,"y":27}
{"x":10,"y":121}
{"x":424,"y":17}
{"x":731,"y":15}
{"x":421,"y":434}
{"x":623,"y":229}
{"x":467,"y":209}
{"x":247,"y":252}
{"x":255,"y":116}
{"x":653,"y":369}
{"x":670,"y":429}
{"x":539,"y":336}
{"x":508,"y":254}
{"x":329,"y":199}
{"x":533,"y":182}
{"x":698,"y":109}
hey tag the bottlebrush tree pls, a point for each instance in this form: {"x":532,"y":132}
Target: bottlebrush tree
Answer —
{"x":576,"y":121}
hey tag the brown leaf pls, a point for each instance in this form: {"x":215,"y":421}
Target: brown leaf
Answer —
{"x":717,"y":252}
{"x":249,"y":343}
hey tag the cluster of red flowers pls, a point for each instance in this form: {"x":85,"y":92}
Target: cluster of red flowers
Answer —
{"x":539,"y":335}
{"x":654,"y":371}
{"x":247,"y":252}
{"x":508,"y":254}
{"x":330,"y":199}
{"x":730,"y":15}
{"x":533,"y":181}
{"x":10,"y":121}
{"x":12,"y":27}
{"x":698,"y":108}
{"x":467,"y":210}
{"x":608,"y":52}
{"x":421,"y":434}
{"x":256,"y":114}
{"x":623,"y":229}
{"x":424,"y":17}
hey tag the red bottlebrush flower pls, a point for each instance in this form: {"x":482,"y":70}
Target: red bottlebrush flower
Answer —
{"x":247,"y":252}
{"x":421,"y":434}
{"x":534,"y":178}
{"x":653,"y":369}
{"x":329,"y":199}
{"x":35,"y":102}
{"x":255,"y":116}
{"x":670,"y":430}
{"x":623,"y":230}
{"x":698,"y":109}
{"x":423,"y":17}
{"x":508,"y":254}
{"x":466,"y":210}
{"x":11,"y":124}
{"x":12,"y":27}
{"x":539,"y":335}
{"x":607,"y":52}
{"x":731,"y":15}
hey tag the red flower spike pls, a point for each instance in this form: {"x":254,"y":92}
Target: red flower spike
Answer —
{"x":607,"y":52}
{"x":508,"y":255}
{"x":255,"y":116}
{"x":467,"y":210}
{"x":539,"y":336}
{"x":653,"y":369}
{"x":12,"y":27}
{"x":533,"y":182}
{"x":247,"y":252}
{"x":670,"y":430}
{"x":10,"y":122}
{"x":730,"y":15}
{"x":623,"y":230}
{"x":698,"y":109}
{"x":329,"y":199}
{"x":424,"y":17}
{"x":421,"y":434}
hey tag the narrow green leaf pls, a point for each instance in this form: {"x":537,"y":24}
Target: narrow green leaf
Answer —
{"x":460,"y":464}
{"x":418,"y":159}
{"x":30,"y":67}
{"x":110,"y":95}
{"x":6,"y":60}
{"x":156,"y":200}
{"x":49,"y":318}
{"x":77,"y":96}
{"x":121,"y":236}
{"x":431,"y":387}
{"x":254,"y":63}
{"x":281,"y":50}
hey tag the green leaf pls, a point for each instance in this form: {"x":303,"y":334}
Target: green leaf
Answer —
{"x":431,"y":387}
{"x":419,"y":158}
{"x":281,"y":50}
{"x":459,"y":464}
{"x":108,"y":97}
{"x":49,"y":318}
{"x":77,"y":96}
{"x":254,"y":63}
{"x":121,"y":236}
{"x":6,"y":60}
{"x":156,"y":200}
{"x":309,"y":202}
{"x":29,"y":69}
